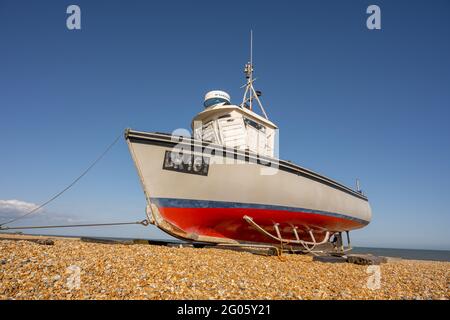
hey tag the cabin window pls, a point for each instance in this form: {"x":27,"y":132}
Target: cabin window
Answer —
{"x":255,"y":125}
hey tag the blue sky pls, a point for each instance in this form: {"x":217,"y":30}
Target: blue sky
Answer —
{"x":350,"y":102}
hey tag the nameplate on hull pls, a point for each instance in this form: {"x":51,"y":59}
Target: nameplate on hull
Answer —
{"x":186,"y":163}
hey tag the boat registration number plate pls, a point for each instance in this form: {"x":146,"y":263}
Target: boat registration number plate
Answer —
{"x":186,"y":163}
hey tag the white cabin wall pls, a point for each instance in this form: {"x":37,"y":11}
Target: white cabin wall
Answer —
{"x":262,"y":143}
{"x":252,"y":139}
{"x":270,"y":142}
{"x":207,"y":132}
{"x":232,"y":131}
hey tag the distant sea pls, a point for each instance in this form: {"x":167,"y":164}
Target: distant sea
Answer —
{"x":411,"y":254}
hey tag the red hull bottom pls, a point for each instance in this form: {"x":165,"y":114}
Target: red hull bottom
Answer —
{"x":228,"y":223}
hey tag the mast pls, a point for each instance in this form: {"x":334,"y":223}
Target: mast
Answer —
{"x":251,"y":65}
{"x":250,"y":93}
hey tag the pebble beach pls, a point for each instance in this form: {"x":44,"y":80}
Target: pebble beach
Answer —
{"x":73,"y":269}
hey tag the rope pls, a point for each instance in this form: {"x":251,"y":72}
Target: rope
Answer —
{"x":280,"y":252}
{"x":143,"y":222}
{"x":66,"y":188}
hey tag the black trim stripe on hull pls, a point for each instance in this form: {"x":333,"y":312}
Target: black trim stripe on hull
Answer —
{"x":166,"y":140}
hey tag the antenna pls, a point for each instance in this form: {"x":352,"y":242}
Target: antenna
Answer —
{"x":358,"y":186}
{"x":250,"y":92}
{"x":251,"y":52}
{"x":251,"y":65}
{"x":251,"y":47}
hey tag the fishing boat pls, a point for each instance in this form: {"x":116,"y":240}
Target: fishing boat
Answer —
{"x":225,"y":184}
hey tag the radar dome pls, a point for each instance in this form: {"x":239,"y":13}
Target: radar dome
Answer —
{"x":216,"y":97}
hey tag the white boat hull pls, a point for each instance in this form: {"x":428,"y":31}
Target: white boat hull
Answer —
{"x":206,"y":200}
